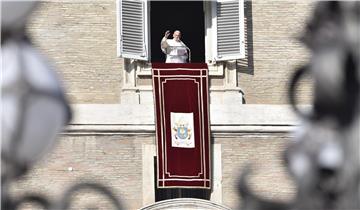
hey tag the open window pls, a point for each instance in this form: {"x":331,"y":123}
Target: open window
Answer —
{"x":213,"y":30}
{"x":186,"y":16}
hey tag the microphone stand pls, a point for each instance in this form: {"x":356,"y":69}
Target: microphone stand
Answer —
{"x":189,"y":53}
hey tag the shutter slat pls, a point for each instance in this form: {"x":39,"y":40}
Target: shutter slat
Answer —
{"x":227,"y":33}
{"x":133,"y":6}
{"x":132,"y":31}
{"x":133,"y":41}
{"x":224,"y":44}
{"x":227,"y":45}
{"x":227,"y":12}
{"x":230,"y":50}
{"x":133,"y":48}
{"x":133,"y":24}
{"x":231,"y":42}
{"x":131,"y":15}
{"x":231,"y":18}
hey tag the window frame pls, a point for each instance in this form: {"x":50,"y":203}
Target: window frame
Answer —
{"x":210,"y":19}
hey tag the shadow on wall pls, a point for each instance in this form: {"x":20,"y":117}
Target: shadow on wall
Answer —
{"x":246,"y":65}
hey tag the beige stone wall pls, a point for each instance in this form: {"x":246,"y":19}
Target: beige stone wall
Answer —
{"x":114,"y":160}
{"x":273,"y":51}
{"x":264,"y":151}
{"x":80,"y":38}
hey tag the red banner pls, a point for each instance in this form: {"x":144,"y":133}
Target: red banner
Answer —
{"x":182,"y":125}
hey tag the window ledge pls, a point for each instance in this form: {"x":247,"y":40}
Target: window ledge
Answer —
{"x":214,"y":70}
{"x":220,"y":114}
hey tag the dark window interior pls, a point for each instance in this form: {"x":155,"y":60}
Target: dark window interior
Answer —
{"x":186,"y":16}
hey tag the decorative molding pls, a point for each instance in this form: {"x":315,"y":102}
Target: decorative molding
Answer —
{"x":216,"y":193}
{"x":220,"y":114}
{"x":148,"y":173}
{"x":225,"y":120}
{"x":149,"y":130}
{"x":215,"y":69}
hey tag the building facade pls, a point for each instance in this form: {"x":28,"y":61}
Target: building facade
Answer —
{"x":112,"y":136}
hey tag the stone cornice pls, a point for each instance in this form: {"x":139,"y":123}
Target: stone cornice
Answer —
{"x":225,"y":120}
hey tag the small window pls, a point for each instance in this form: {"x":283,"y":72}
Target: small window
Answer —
{"x":140,"y":21}
{"x":186,"y":16}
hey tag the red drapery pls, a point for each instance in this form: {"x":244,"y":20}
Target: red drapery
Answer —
{"x":182,"y":125}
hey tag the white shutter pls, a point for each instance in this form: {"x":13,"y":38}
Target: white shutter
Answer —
{"x":229,"y":33}
{"x":132,"y":33}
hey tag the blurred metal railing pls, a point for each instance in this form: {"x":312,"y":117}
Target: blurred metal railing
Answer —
{"x":324,"y":158}
{"x":34,"y":110}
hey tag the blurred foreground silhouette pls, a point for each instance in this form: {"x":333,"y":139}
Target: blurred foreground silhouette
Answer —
{"x":324,"y":158}
{"x":34,"y":110}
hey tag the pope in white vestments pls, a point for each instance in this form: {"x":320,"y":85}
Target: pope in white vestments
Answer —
{"x":175,"y":49}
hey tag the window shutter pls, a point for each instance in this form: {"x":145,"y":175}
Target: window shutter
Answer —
{"x":133,"y":29}
{"x":229,"y":34}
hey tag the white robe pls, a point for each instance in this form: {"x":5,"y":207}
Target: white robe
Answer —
{"x":176,"y":51}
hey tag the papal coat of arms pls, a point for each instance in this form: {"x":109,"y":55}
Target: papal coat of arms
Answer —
{"x":182,"y":125}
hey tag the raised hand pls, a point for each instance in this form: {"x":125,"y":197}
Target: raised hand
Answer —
{"x":167,"y":33}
